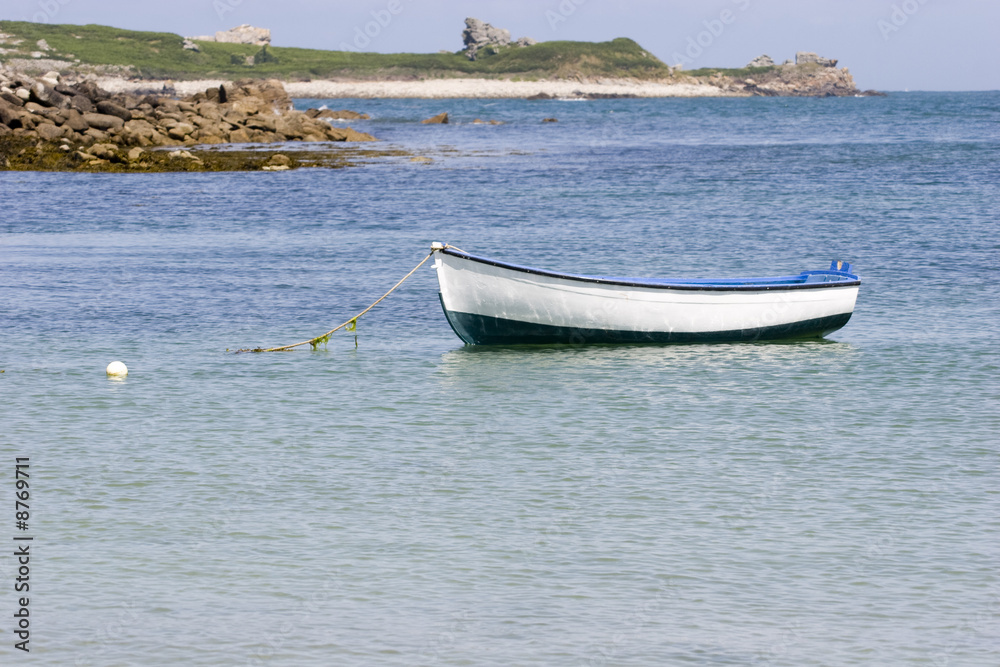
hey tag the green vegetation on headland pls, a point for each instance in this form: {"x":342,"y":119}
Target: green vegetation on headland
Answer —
{"x":736,"y":72}
{"x":162,"y":55}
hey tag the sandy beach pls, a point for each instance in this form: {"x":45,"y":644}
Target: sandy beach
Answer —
{"x":445,"y":88}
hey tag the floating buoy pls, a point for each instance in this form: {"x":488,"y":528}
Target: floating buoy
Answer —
{"x":117,"y":369}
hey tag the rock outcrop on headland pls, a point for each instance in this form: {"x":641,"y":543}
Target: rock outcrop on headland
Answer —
{"x":810,"y":76}
{"x":81,"y":115}
{"x":241,"y":34}
{"x":480,"y":35}
{"x":808,"y":57}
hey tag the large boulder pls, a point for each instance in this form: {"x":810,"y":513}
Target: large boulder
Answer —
{"x":50,"y":132}
{"x":111,"y":109}
{"x":138,"y":133}
{"x":82,"y":104}
{"x":807,"y":58}
{"x":11,"y":99}
{"x":47,"y":96}
{"x":103,"y":122}
{"x":75,"y":121}
{"x":10,"y":115}
{"x":180,"y":131}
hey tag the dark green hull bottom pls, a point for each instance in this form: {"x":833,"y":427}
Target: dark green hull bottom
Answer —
{"x":485,"y":330}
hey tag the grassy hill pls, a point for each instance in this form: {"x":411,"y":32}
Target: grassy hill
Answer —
{"x":161,"y":55}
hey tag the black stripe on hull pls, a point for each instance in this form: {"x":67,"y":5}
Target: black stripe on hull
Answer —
{"x":485,"y":330}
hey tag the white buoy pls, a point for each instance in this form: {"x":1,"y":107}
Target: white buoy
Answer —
{"x":117,"y":369}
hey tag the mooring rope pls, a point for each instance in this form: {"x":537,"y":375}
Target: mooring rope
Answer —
{"x":352,"y":323}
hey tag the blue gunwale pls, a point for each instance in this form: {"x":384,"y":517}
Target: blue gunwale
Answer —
{"x":778,"y":283}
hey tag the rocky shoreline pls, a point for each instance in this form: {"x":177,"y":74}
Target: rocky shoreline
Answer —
{"x":96,"y":129}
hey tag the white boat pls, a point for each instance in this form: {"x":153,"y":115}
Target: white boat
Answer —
{"x":489,"y":302}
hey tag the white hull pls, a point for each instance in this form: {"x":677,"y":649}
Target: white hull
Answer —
{"x":491,"y":302}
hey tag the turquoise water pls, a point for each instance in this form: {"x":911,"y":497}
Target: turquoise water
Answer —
{"x":399,"y":499}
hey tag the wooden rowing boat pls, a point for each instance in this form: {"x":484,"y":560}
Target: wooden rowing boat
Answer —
{"x":490,"y":302}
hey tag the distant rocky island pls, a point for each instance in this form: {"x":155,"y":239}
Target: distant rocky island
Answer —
{"x":490,"y":64}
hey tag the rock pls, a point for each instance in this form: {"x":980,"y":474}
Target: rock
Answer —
{"x":181,"y":154}
{"x":75,"y":121}
{"x":103,"y":122}
{"x":82,"y":104}
{"x":43,"y":45}
{"x":112,"y":109}
{"x":761,"y":61}
{"x":271,"y":91}
{"x":239,"y":136}
{"x":180,"y":131}
{"x":204,"y":137}
{"x":138,"y":133}
{"x":191,"y":46}
{"x":104,"y":151}
{"x":10,"y":116}
{"x":50,"y":79}
{"x":526,"y":41}
{"x":244,"y":34}
{"x":80,"y":156}
{"x":276,"y":167}
{"x":541,"y":96}
{"x":209,"y":111}
{"x":250,"y":105}
{"x":343,"y":114}
{"x":96,"y":135}
{"x":807,"y":57}
{"x":352,"y":135}
{"x":47,"y":96}
{"x":279,"y":159}
{"x":421,"y":159}
{"x":34,"y":107}
{"x":49,"y":132}
{"x":479,"y":34}
{"x":135,"y":153}
{"x":23,"y":93}
{"x":265,"y":123}
{"x":440,"y":119}
{"x":550,"y":120}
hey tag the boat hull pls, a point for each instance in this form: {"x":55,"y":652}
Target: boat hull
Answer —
{"x":491,"y":303}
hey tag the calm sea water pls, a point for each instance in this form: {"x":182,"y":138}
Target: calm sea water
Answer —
{"x":399,"y":499}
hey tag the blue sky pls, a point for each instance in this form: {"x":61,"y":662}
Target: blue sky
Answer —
{"x":887,"y":44}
